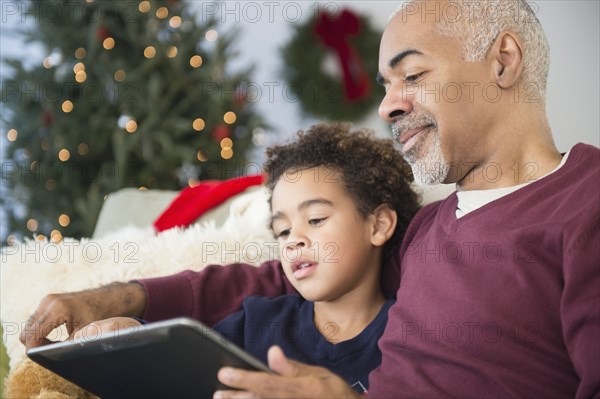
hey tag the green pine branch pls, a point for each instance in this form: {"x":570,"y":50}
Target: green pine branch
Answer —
{"x":162,"y":93}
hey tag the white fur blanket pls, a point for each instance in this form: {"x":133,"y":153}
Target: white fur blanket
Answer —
{"x":33,"y":269}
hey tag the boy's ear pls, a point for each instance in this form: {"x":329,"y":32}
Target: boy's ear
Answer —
{"x":384,"y":224}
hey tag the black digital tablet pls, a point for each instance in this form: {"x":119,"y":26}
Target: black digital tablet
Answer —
{"x":177,"y":358}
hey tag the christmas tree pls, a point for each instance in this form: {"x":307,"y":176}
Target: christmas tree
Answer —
{"x":131,"y":94}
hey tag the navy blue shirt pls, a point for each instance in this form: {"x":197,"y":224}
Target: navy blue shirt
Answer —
{"x":287,"y":321}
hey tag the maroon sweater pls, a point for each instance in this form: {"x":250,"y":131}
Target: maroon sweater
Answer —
{"x":503,"y":302}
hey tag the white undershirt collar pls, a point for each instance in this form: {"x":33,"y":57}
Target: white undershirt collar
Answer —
{"x":470,"y":200}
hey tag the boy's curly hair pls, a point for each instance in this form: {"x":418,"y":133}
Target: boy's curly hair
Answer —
{"x":372,"y":170}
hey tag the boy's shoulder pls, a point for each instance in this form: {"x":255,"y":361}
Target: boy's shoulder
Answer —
{"x":286,"y":310}
{"x":280,"y":303}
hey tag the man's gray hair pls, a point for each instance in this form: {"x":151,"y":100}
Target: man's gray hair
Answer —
{"x":477,"y":23}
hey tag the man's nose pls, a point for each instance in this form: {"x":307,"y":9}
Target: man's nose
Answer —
{"x":396,"y":102}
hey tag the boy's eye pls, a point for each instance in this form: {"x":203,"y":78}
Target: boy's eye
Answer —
{"x":316,"y":221}
{"x":283,"y":233}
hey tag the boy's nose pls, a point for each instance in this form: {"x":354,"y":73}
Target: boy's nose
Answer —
{"x":292,"y":245}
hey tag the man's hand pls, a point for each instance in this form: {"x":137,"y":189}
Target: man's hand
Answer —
{"x":107,"y":327}
{"x":293,"y":380}
{"x":79,"y":309}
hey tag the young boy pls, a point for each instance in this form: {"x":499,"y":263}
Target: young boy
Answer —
{"x":340,"y":203}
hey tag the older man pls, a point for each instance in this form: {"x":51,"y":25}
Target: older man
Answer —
{"x":499,"y":292}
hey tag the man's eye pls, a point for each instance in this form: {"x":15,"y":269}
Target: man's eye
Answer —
{"x":413,"y":78}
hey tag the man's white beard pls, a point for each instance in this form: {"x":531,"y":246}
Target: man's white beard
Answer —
{"x":427,"y":161}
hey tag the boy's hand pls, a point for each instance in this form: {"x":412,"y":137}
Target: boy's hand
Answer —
{"x":102,"y":328}
{"x":293,"y":380}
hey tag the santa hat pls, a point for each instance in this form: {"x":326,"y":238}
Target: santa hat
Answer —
{"x":193,"y":202}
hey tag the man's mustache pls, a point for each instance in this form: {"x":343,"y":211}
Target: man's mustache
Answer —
{"x":409,"y":122}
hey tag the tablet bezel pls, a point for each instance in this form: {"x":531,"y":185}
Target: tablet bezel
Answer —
{"x":168,"y":340}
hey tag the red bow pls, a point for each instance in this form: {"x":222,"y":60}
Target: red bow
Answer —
{"x":335,"y":33}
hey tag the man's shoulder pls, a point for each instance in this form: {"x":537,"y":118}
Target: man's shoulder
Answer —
{"x":571,"y":196}
{"x":576,"y":182}
{"x":586,"y":164}
{"x":587,"y":148}
{"x":585,"y":155}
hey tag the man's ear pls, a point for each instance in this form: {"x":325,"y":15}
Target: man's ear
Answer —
{"x":384,"y":224}
{"x":507,"y":59}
